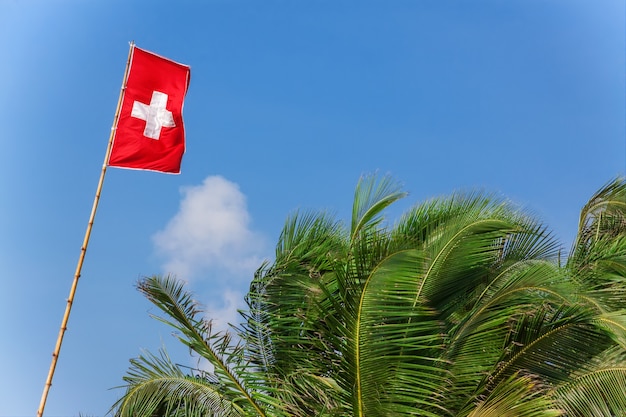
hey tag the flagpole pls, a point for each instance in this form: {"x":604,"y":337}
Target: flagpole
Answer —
{"x":83,"y":249}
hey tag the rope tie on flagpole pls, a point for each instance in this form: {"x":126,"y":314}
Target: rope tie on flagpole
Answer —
{"x":83,"y":249}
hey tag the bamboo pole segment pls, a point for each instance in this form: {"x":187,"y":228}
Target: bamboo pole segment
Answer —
{"x":83,"y":249}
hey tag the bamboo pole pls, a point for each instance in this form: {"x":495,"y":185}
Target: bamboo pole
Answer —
{"x":83,"y":249}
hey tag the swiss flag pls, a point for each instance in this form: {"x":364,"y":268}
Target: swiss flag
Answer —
{"x":150,"y":134}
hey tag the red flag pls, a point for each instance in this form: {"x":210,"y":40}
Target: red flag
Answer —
{"x":150,"y":134}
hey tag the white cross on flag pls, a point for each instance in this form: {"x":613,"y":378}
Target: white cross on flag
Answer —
{"x":150,"y":134}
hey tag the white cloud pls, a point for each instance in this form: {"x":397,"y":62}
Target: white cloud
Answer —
{"x":224,"y":314}
{"x":210,"y":232}
{"x":210,"y":237}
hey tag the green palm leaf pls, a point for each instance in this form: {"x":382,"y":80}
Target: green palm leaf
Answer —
{"x":460,"y":309}
{"x":599,"y":392}
{"x":371,"y":197}
{"x":518,"y":396}
{"x":396,"y":342}
{"x":157,"y":386}
{"x":183,"y":314}
{"x":553,"y":343}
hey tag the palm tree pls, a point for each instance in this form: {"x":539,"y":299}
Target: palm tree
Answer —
{"x":598,"y":264}
{"x":460,"y":309}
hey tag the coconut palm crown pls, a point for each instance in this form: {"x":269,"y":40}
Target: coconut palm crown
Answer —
{"x":461,"y":308}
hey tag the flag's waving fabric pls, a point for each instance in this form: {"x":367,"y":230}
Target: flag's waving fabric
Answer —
{"x":150,"y":134}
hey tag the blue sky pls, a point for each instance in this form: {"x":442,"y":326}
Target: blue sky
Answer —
{"x":289,"y":103}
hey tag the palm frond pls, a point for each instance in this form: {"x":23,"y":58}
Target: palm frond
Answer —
{"x":607,"y":205}
{"x":479,"y":335}
{"x":184,"y":314}
{"x":614,"y":323}
{"x":518,"y":396}
{"x":288,"y":331}
{"x":396,"y":342}
{"x":372,"y":195}
{"x":602,"y":219}
{"x":468,"y":235}
{"x":600,"y":392}
{"x":311,"y":239}
{"x":603,"y":272}
{"x":158,"y":387}
{"x":553,"y":342}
